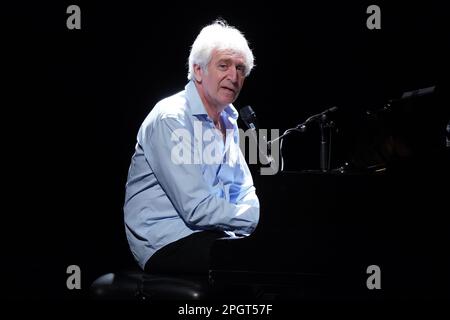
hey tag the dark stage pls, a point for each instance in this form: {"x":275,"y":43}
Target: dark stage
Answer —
{"x":76,"y":98}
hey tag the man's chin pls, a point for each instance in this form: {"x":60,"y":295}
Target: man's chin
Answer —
{"x":229,"y":99}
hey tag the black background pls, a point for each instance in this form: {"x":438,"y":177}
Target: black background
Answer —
{"x":74,"y":100}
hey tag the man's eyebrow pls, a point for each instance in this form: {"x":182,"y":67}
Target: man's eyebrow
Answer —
{"x":228,"y":60}
{"x":224,"y":60}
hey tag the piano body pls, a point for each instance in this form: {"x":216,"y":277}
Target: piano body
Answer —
{"x":319,"y":232}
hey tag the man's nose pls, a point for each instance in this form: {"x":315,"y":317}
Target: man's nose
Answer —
{"x":233,"y":74}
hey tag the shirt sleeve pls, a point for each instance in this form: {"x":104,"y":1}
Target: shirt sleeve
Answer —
{"x":184,"y":184}
{"x":243,"y":190}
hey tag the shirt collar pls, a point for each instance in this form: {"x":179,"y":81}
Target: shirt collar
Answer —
{"x":196,"y":104}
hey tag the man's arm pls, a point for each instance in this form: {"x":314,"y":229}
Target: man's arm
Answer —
{"x":185,"y":187}
{"x":243,"y":190}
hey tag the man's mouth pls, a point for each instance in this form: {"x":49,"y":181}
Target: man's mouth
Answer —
{"x":230,"y":89}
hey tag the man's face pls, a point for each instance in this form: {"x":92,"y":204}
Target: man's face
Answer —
{"x":224,"y":78}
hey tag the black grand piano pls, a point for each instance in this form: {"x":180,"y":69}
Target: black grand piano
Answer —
{"x":384,"y":205}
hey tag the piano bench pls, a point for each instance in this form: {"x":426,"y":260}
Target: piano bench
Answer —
{"x":138,"y":285}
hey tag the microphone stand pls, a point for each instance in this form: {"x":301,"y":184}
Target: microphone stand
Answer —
{"x":324,"y":124}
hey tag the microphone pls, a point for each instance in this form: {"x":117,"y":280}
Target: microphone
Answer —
{"x":249,"y":117}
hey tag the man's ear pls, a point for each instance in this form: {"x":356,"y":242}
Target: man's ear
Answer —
{"x":198,"y":73}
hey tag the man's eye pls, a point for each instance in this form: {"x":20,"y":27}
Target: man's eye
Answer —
{"x":222,"y":66}
{"x":241,"y":69}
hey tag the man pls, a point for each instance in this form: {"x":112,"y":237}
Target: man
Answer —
{"x":188,"y":183}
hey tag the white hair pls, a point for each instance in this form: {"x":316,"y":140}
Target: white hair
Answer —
{"x":219,"y":36}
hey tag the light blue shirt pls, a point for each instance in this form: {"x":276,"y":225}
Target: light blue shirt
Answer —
{"x":183,"y":178}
